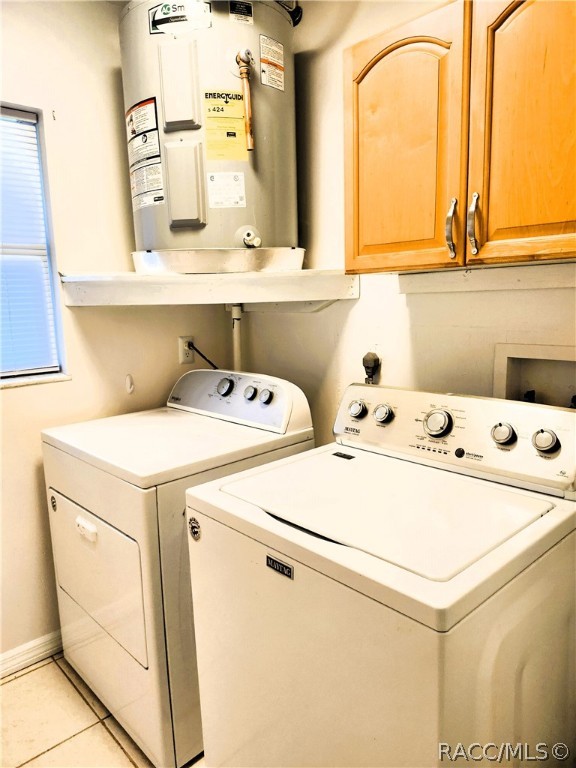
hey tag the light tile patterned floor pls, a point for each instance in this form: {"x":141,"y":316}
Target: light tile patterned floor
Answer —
{"x":51,"y":719}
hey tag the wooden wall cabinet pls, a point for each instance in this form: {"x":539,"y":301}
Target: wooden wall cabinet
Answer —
{"x":461,"y":127}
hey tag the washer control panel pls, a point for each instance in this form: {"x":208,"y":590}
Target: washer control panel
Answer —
{"x":249,"y":399}
{"x":524,"y":444}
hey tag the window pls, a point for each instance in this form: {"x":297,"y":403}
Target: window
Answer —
{"x":28,"y":321}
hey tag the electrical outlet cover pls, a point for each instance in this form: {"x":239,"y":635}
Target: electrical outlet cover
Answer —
{"x":185,"y":355}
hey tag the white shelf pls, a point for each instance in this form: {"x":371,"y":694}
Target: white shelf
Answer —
{"x":303,"y":290}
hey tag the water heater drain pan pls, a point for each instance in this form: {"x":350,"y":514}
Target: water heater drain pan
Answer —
{"x":213,"y":260}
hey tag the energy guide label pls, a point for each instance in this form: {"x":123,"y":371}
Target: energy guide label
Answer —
{"x":225,"y":127}
{"x":146,"y":180}
{"x":226,"y":190}
{"x":271,"y":62}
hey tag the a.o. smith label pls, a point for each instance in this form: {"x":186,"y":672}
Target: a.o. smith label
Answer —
{"x":280,"y":567}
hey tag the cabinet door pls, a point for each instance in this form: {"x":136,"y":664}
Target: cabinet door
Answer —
{"x":406,"y":143}
{"x":523,"y":130}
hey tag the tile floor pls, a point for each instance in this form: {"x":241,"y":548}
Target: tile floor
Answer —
{"x":51,"y":719}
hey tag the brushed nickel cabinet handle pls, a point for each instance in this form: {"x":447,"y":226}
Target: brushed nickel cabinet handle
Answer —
{"x":448,"y":230}
{"x":471,"y":224}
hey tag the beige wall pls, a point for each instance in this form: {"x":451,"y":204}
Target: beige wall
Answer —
{"x":63,"y":58}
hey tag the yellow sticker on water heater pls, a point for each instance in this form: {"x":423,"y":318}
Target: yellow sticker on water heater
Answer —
{"x":225,"y":126}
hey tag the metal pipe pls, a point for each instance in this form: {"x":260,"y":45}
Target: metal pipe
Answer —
{"x":244,"y":61}
{"x":236,"y":311}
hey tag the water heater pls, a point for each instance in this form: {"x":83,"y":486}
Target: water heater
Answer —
{"x":210,"y":130}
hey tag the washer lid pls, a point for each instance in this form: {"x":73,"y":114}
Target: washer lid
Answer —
{"x":431,"y":522}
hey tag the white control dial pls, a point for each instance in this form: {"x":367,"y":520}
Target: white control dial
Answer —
{"x":437,"y":422}
{"x":225,"y":386}
{"x":383,"y":413}
{"x":266,"y":396}
{"x":250,"y":392}
{"x":357,"y":409}
{"x":545,"y":440}
{"x":503,"y":433}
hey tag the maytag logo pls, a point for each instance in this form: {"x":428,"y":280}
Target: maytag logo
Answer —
{"x":353,"y":430}
{"x":280,"y":567}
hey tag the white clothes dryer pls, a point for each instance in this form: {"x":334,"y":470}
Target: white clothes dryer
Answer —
{"x":116,"y":490}
{"x":405,"y":596}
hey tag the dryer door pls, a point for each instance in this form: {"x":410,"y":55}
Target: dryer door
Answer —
{"x":99,"y":567}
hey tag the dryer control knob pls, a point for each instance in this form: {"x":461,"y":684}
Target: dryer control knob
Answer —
{"x":437,"y":423}
{"x":250,"y":392}
{"x":225,"y":386}
{"x":503,"y":433}
{"x":357,"y":409}
{"x":383,"y":413}
{"x":545,"y":441}
{"x":266,"y":396}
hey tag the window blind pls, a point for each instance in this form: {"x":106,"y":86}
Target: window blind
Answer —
{"x":28,"y":328}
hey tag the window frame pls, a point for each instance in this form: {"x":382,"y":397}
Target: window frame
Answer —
{"x":59,"y":373}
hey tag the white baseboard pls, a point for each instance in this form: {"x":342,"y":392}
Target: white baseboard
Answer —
{"x":30,"y":653}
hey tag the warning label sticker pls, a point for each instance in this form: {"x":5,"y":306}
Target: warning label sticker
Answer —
{"x":241,"y":12}
{"x":146,"y":186}
{"x":143,"y":147}
{"x":146,"y":180}
{"x":225,"y":126}
{"x":226,"y":190}
{"x":141,"y":118}
{"x":271,"y":62}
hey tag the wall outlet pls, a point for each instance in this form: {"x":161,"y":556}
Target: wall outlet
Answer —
{"x":185,"y":355}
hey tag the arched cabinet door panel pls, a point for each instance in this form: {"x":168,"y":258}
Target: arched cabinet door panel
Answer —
{"x":405,"y":155}
{"x":460,"y":138}
{"x":523,"y":130}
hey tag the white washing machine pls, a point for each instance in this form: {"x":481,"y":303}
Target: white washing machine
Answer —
{"x":404,"y":596}
{"x":116,"y":491}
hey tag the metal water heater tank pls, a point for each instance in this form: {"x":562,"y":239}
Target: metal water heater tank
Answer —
{"x":210,"y":129}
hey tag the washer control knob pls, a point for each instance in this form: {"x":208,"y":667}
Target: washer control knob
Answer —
{"x":357,"y":409}
{"x":545,"y":440}
{"x":250,"y":392}
{"x":225,"y":386}
{"x":383,"y":413}
{"x":503,"y":433}
{"x":266,"y":396}
{"x":437,"y":422}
